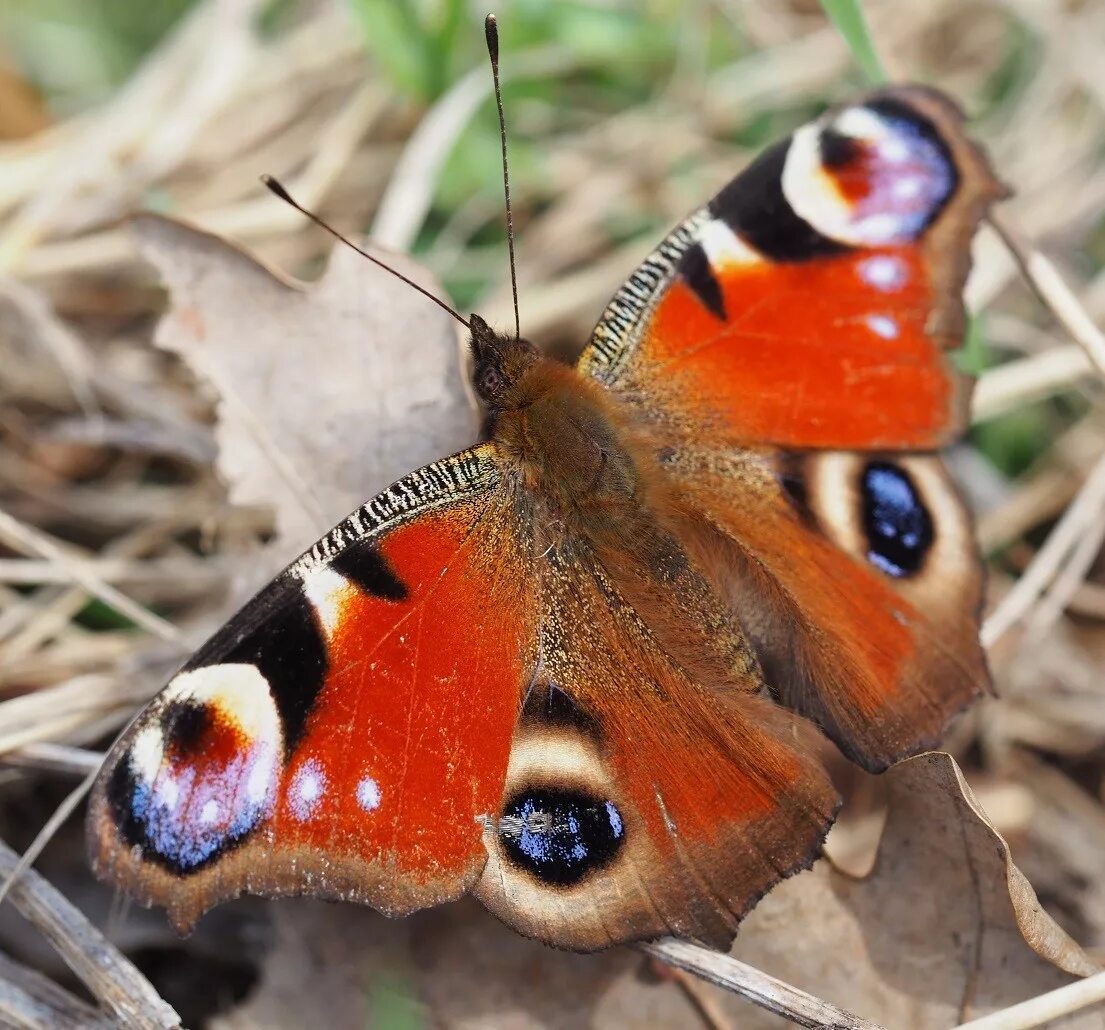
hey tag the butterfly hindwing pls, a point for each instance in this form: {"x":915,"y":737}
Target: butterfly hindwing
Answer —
{"x":857,"y":580}
{"x":642,"y":797}
{"x":791,"y":339}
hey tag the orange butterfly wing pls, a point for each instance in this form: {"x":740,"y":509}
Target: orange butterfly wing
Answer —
{"x":811,"y":302}
{"x":427,"y":703}
{"x":342,"y":735}
{"x":807,"y":312}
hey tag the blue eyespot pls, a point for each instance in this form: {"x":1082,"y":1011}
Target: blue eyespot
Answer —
{"x":896,"y":521}
{"x":560,"y":836}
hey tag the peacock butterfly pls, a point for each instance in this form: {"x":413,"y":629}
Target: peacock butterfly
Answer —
{"x":555,"y":669}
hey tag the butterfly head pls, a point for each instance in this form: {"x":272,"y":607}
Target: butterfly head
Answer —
{"x":499,"y":363}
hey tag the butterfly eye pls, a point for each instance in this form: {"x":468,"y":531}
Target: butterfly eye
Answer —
{"x":489,"y":382}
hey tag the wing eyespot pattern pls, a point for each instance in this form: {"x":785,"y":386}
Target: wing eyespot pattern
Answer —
{"x":560,"y":836}
{"x":550,"y":707}
{"x":793,"y":476}
{"x":896,"y":522}
{"x":868,"y":175}
{"x":757,"y":208}
{"x":199,"y":779}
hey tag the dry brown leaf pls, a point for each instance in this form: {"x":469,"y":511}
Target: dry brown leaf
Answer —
{"x":327,"y":392}
{"x":945,"y":927}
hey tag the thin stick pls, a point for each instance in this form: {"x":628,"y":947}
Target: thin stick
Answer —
{"x":29,"y":999}
{"x":285,"y":196}
{"x":759,"y":988}
{"x":109,"y":975}
{"x":1017,"y":383}
{"x":1044,"y":1007}
{"x":1066,"y":584}
{"x":1045,"y":279}
{"x":1078,"y":517}
{"x":491,"y":32}
{"x":43,"y":837}
{"x":63,"y":758}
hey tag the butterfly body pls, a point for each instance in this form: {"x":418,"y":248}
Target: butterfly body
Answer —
{"x":561,"y":669}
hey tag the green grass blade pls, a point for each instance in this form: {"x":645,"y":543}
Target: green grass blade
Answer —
{"x":847,"y":16}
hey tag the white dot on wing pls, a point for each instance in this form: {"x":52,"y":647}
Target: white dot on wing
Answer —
{"x":883,"y":325}
{"x":907,"y":189}
{"x":883,"y":272}
{"x":168,"y":791}
{"x":894,"y":149}
{"x":307,"y":787}
{"x":368,"y":794}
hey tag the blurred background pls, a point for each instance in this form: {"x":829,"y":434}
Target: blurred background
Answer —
{"x":378,"y":114}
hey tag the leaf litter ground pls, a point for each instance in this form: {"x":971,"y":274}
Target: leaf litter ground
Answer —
{"x":146,"y":460}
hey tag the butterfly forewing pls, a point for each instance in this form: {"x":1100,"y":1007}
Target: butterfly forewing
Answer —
{"x":344,"y":733}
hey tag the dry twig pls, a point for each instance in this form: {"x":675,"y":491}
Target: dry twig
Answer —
{"x":758,"y":987}
{"x":111,"y":977}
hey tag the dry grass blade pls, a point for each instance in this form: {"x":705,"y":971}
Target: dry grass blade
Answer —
{"x":1067,"y":583}
{"x":31,"y":1001}
{"x":55,"y":757}
{"x":1011,"y":386}
{"x":111,"y":977}
{"x":1045,"y":1007}
{"x":1082,"y":513}
{"x":44,"y":836}
{"x":1045,"y":279}
{"x":20,"y":535}
{"x":759,"y":988}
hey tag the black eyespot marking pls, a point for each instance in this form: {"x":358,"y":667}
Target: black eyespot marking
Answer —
{"x":279,"y":634}
{"x":792,"y":476}
{"x":186,"y":724}
{"x":838,"y":150}
{"x":757,"y":210}
{"x":895,"y":519}
{"x":560,"y":836}
{"x":549,"y":705}
{"x":170,"y":823}
{"x":120,"y":793}
{"x":364,"y":565}
{"x":699,"y":276}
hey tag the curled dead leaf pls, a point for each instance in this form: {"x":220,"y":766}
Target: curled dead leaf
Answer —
{"x":945,"y":927}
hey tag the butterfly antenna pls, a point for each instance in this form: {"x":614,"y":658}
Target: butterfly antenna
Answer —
{"x":491,"y":31}
{"x":285,"y":196}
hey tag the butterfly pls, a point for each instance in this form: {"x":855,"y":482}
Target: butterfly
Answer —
{"x":562,"y":669}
